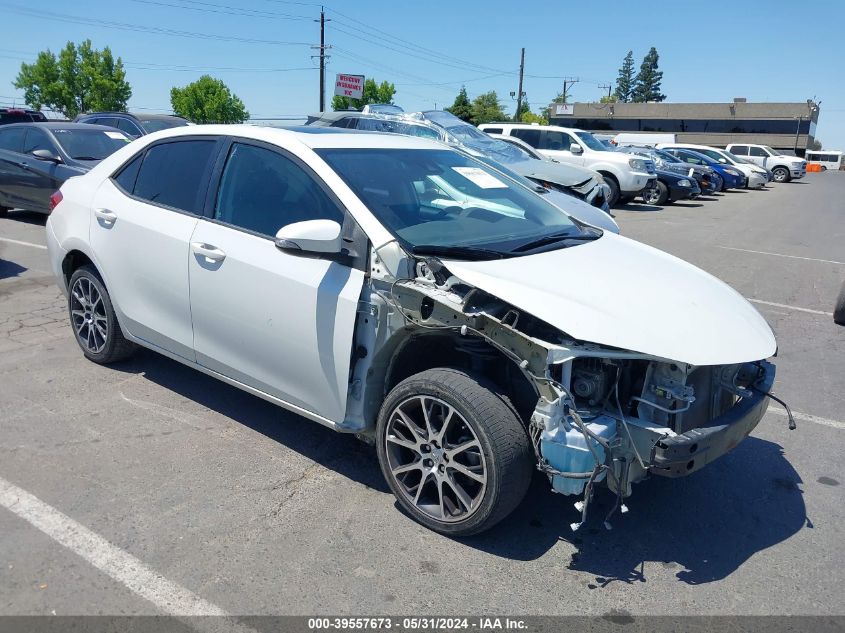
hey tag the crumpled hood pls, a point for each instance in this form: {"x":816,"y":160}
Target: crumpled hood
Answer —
{"x":617,"y":292}
{"x":579,"y":178}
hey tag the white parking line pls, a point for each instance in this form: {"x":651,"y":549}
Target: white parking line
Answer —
{"x":806,"y":417}
{"x":171,"y":598}
{"x":788,"y":307}
{"x":30,"y":244}
{"x":811,"y":259}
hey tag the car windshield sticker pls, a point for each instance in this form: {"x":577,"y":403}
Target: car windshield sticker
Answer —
{"x":118,"y":135}
{"x":480,"y":178}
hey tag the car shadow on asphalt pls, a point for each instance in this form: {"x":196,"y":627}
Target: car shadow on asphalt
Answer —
{"x":702,"y":527}
{"x":10,"y":269}
{"x":342,"y":453}
{"x":637,"y":206}
{"x":28,"y":217}
{"x":686,"y":205}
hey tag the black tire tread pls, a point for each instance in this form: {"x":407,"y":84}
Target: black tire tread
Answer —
{"x":839,"y":310}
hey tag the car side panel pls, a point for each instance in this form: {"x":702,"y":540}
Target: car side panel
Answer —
{"x":144,"y":255}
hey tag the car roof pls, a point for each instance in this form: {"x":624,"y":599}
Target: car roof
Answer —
{"x":132,"y":115}
{"x":58,"y":125}
{"x":309,"y":135}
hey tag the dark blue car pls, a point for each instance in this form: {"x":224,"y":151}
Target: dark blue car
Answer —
{"x":731,"y":178}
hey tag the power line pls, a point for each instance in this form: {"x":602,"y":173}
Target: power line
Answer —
{"x":225,"y":9}
{"x":61,"y":17}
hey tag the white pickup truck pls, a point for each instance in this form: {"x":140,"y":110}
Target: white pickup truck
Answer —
{"x":784,"y":168}
{"x":626,"y":175}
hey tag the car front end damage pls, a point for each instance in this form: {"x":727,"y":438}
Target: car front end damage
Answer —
{"x":596,"y":415}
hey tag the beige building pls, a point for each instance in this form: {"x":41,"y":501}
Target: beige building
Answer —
{"x":784,"y":126}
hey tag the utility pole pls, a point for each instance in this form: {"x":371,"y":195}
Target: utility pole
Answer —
{"x":520,"y":94}
{"x":568,"y":82}
{"x":322,"y":48}
{"x":609,"y":88}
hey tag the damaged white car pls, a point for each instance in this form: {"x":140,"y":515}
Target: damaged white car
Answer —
{"x":392,"y":287}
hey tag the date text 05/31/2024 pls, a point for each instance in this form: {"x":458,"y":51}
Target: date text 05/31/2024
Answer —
{"x":417,"y":623}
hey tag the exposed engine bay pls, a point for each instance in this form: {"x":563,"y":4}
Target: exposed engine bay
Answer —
{"x":599,"y":415}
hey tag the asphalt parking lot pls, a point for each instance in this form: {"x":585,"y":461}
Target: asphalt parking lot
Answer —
{"x":249,"y":509}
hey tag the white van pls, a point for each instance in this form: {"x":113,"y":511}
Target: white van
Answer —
{"x":626,"y":175}
{"x":642,"y":139}
{"x":828,"y":159}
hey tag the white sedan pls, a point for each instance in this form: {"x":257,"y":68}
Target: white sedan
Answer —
{"x":392,"y":287}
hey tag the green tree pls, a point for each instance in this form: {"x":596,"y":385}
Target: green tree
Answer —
{"x":625,"y":79}
{"x":530,"y":117}
{"x":647,"y":83}
{"x":461,"y":108}
{"x":486,"y":108}
{"x":373,"y":93}
{"x":208,"y":100}
{"x":609,"y":99}
{"x":80,"y":79}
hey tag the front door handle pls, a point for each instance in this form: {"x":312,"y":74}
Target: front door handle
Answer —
{"x":211,"y":253}
{"x":105,"y":215}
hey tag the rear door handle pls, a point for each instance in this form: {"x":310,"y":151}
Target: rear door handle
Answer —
{"x":105,"y":215}
{"x":211,"y":253}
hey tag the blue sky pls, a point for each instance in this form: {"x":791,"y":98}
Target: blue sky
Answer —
{"x":765,"y":51}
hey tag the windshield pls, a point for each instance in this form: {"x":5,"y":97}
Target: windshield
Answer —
{"x":154,"y":125}
{"x":92,"y":144}
{"x":590,"y":141}
{"x":443,"y":198}
{"x":666,"y":157}
{"x":770,"y":151}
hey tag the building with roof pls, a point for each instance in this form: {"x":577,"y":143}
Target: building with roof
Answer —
{"x":783,"y":126}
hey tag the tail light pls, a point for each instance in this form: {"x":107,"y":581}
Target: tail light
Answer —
{"x":55,"y":199}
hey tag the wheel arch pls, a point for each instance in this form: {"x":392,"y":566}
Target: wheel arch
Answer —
{"x":410,"y":352}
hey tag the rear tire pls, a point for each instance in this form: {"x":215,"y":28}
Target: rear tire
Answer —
{"x":4,"y":211}
{"x":781,"y":174}
{"x":657,"y":196}
{"x":93,"y":319}
{"x":839,"y":311}
{"x":454,"y":453}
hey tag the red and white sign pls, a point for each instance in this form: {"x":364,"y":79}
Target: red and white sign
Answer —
{"x":351,"y":86}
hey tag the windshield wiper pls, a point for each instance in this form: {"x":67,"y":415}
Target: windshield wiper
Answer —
{"x":459,"y":252}
{"x":85,"y":158}
{"x":560,"y":237}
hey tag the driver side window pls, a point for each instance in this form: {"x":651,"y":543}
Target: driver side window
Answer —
{"x":261,"y":191}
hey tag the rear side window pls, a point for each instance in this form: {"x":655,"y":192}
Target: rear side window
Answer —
{"x":262,"y":191}
{"x":174,"y":174}
{"x":129,"y":174}
{"x":12,"y":139}
{"x":532,"y":137}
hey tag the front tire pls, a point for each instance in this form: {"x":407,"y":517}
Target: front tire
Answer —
{"x":781,"y":174}
{"x":656,"y":196}
{"x":614,"y":198}
{"x":453,"y":452}
{"x":93,"y":320}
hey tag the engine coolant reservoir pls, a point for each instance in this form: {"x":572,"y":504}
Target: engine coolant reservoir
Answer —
{"x":566,"y":449}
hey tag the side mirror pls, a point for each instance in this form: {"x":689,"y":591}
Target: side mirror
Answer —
{"x":575,"y":148}
{"x":46,"y":155}
{"x":310,"y":236}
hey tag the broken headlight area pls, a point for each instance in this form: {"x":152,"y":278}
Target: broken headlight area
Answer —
{"x":619,"y":420}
